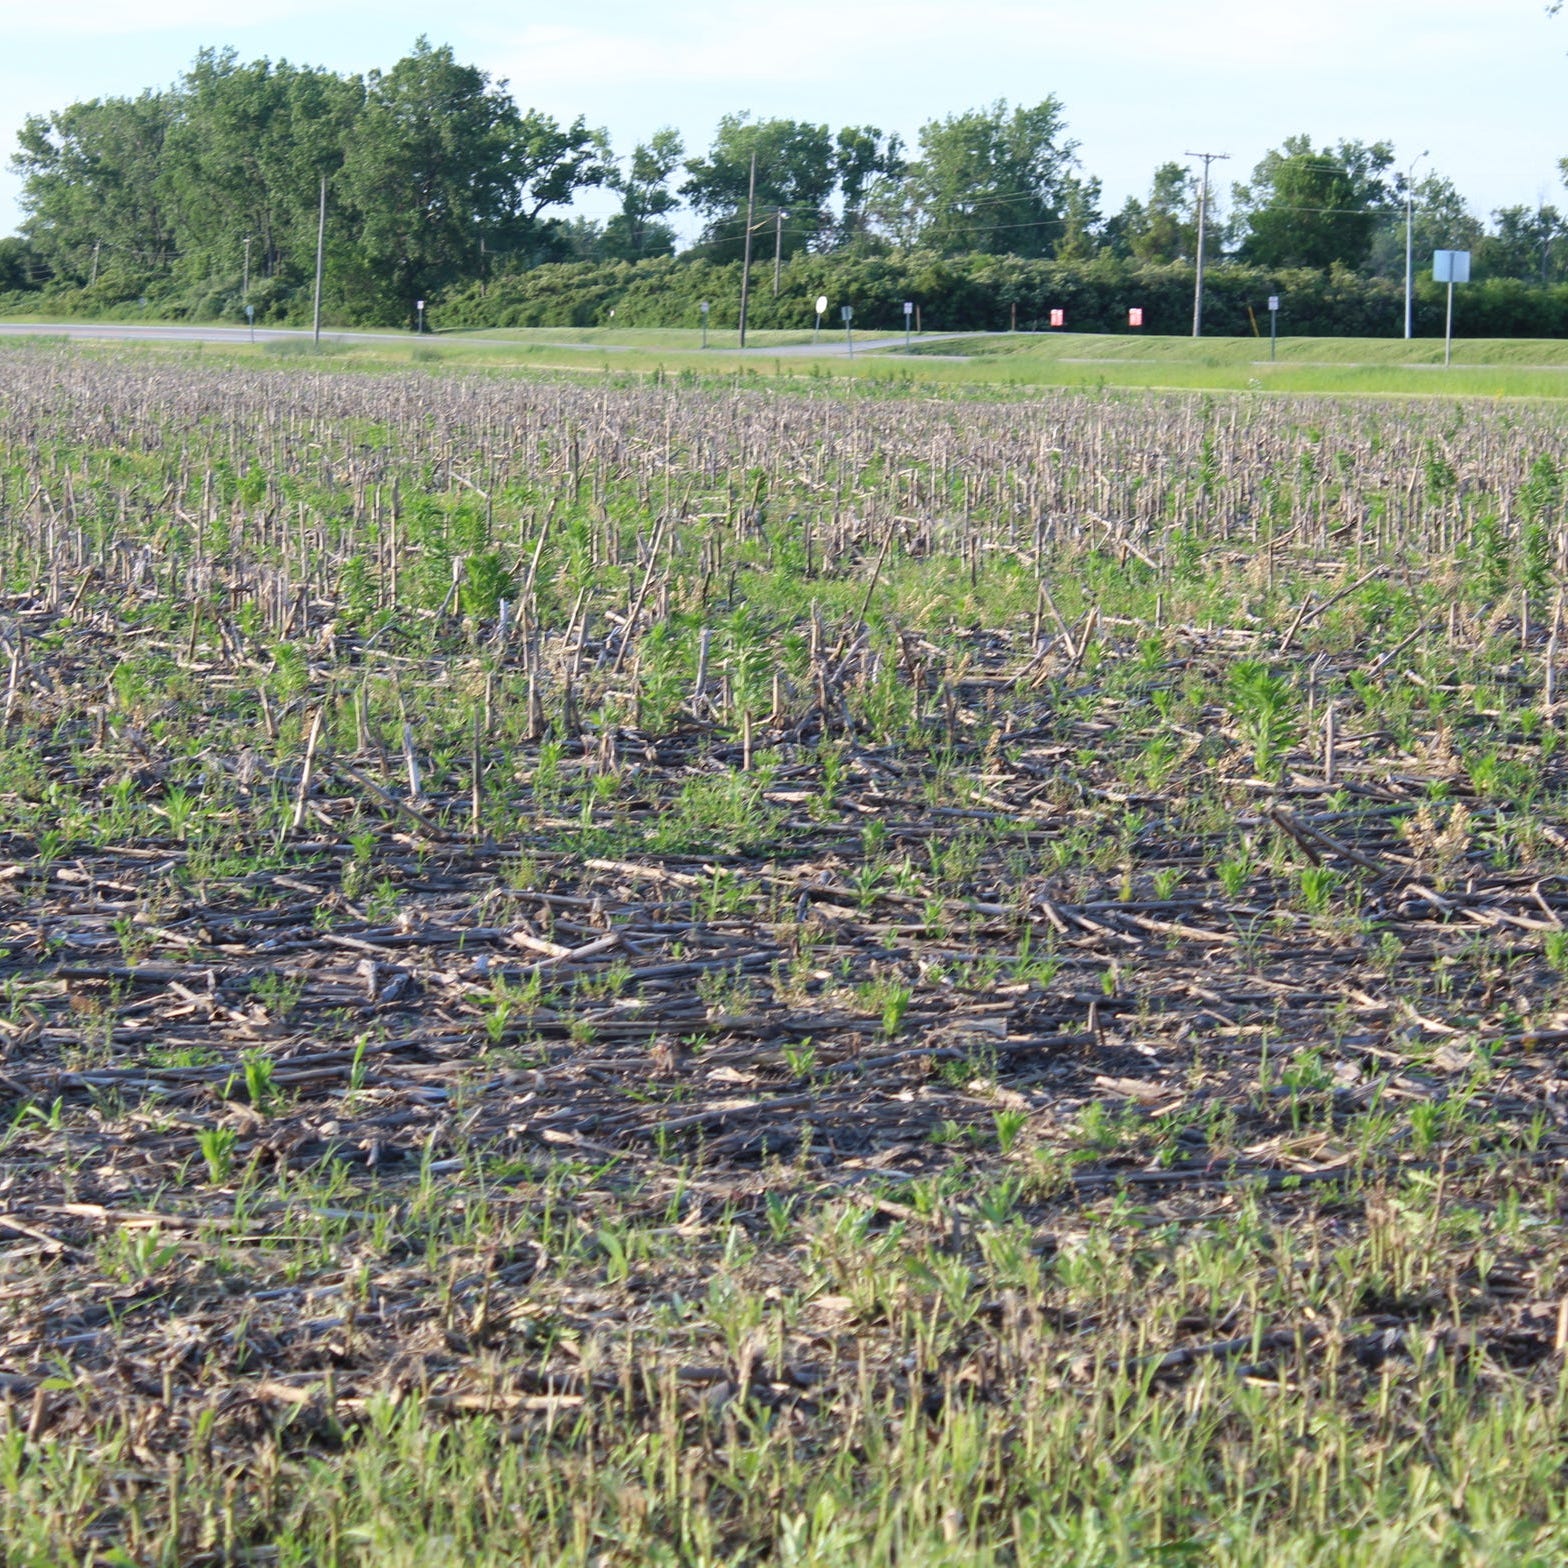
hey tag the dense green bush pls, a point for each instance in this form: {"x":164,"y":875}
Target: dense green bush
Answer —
{"x":954,"y":293}
{"x":979,"y":293}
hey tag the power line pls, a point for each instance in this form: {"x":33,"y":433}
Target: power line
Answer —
{"x":1376,"y":214}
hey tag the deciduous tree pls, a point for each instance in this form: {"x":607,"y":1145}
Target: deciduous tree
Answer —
{"x":1164,"y":228}
{"x":246,"y":150}
{"x":441,"y":165}
{"x":994,"y":179}
{"x":1313,"y":207}
{"x":1525,"y":243}
{"x":796,"y":170}
{"x":638,"y":229}
{"x":865,"y":158}
{"x":94,"y":189}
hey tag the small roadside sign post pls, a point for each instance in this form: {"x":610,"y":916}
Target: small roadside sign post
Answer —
{"x":705,"y":307}
{"x":419,"y":307}
{"x":1135,"y":316}
{"x":250,"y":316}
{"x":847,"y":312}
{"x":1273,"y":323}
{"x":1058,"y":318}
{"x":1450,"y":267}
{"x":909,"y":316}
{"x":822,"y":310}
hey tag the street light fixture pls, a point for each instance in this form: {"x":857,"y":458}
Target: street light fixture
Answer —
{"x":1410,"y":244}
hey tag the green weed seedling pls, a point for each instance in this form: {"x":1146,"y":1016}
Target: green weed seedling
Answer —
{"x":1317,"y":888}
{"x":52,"y":1119}
{"x":1235,"y":873}
{"x":256,"y":1075}
{"x":1009,"y":1124}
{"x":217,"y":1146}
{"x":801,"y":1059}
{"x":1264,"y":708}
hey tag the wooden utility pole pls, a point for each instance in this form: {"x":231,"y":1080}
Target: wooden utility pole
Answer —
{"x":1203,"y":216}
{"x":745,"y":270}
{"x":321,"y":246}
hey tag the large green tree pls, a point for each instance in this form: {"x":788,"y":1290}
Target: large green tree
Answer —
{"x":244,"y":158}
{"x":1083,"y":224}
{"x":865,"y":158}
{"x":994,"y":179}
{"x":639,"y":229}
{"x":1164,"y":227}
{"x":441,"y":167}
{"x":1312,"y":207}
{"x":1440,"y":219}
{"x":796,"y":171}
{"x":93,"y":187}
{"x":1529,"y":243}
{"x":431,"y":170}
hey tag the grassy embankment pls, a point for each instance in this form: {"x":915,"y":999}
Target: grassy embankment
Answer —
{"x":1483,"y":368}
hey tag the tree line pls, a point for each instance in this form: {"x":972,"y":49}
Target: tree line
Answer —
{"x":203,"y":197}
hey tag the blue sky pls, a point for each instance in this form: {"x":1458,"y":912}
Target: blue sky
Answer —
{"x":1480,"y":83}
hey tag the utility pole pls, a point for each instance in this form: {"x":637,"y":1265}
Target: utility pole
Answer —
{"x":778,"y":247}
{"x":745,"y":271}
{"x":1203,"y":221}
{"x":1410,"y":245}
{"x":321,"y":246}
{"x":245,"y":286}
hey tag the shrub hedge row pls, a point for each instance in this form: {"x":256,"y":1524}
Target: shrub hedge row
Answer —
{"x":954,"y":294}
{"x":981,"y":293}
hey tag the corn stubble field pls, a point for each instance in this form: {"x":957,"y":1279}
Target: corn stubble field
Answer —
{"x":637,"y":972}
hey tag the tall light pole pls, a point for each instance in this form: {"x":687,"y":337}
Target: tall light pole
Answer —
{"x":245,"y":286}
{"x":1410,"y":244}
{"x":745,"y":271}
{"x":1203,"y":217}
{"x":321,"y":249}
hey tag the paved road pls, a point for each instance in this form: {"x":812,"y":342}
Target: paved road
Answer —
{"x":831,"y":346}
{"x":162,"y":332}
{"x":833,"y":343}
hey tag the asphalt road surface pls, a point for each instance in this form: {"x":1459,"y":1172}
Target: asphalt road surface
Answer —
{"x":832,"y":344}
{"x":130,"y":332}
